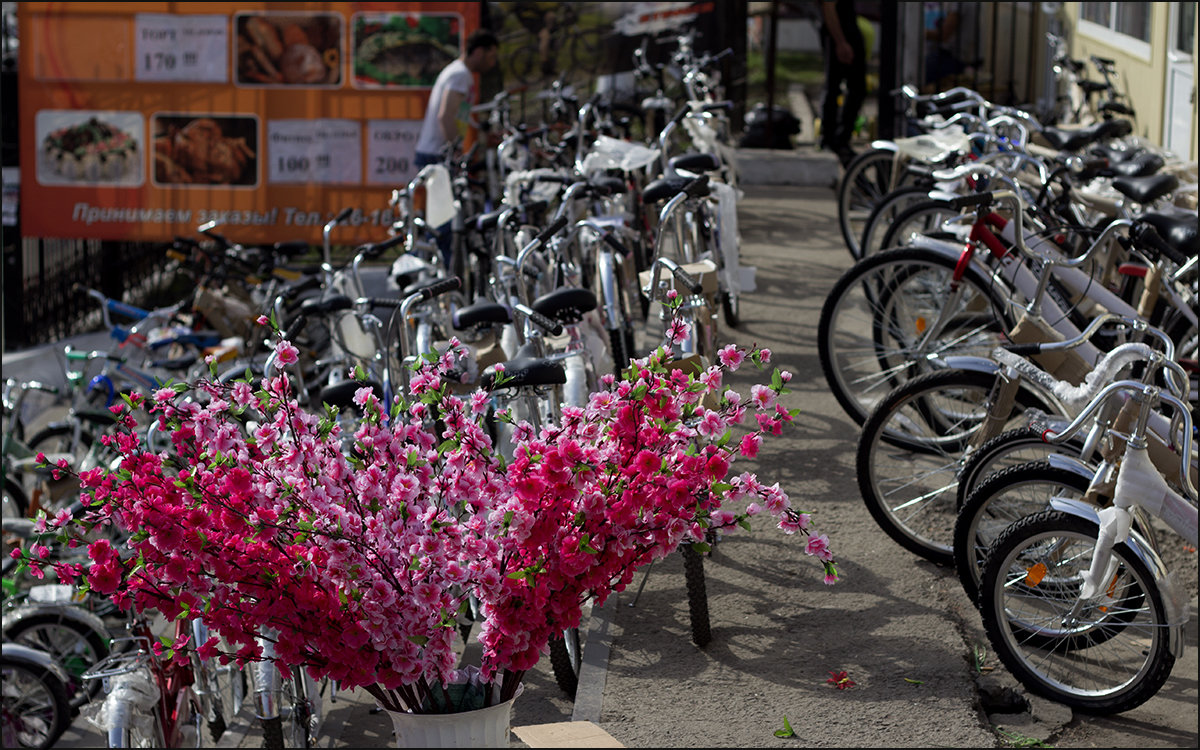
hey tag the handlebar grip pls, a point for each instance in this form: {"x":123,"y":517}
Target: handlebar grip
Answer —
{"x":1024,"y":349}
{"x":554,"y":228}
{"x":974,"y":199}
{"x":693,"y":285}
{"x":611,"y":240}
{"x":343,"y":214}
{"x":297,"y":325}
{"x":712,"y":107}
{"x":698,"y":187}
{"x":682,"y":113}
{"x":175,"y":255}
{"x":1147,"y":236}
{"x":292,"y":291}
{"x":383,"y":302}
{"x":548,"y":325}
{"x":441,"y":287}
{"x":374,"y":250}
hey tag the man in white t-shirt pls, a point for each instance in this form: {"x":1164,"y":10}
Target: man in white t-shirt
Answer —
{"x":453,"y":95}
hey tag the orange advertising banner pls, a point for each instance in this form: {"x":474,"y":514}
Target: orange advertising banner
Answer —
{"x":141,"y":121}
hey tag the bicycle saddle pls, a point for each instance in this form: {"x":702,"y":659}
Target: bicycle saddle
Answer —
{"x":525,"y":369}
{"x":481,"y":313}
{"x":667,"y":187}
{"x":1180,"y":231}
{"x":1146,"y":189}
{"x":341,"y":394}
{"x":327,"y":305}
{"x":566,"y":305}
{"x":695,"y":163}
{"x":1073,"y":140}
{"x":1141,"y":164}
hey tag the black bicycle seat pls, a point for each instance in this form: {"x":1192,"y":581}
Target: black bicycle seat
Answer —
{"x":1146,"y":189}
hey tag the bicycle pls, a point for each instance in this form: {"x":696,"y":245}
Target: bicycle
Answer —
{"x":35,"y":708}
{"x":1077,"y":605}
{"x":921,"y":448}
{"x":153,"y":699}
{"x":890,"y":311}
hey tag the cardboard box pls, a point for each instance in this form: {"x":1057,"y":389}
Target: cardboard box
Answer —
{"x":566,"y":734}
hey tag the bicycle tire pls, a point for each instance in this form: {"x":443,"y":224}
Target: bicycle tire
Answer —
{"x":697,"y":593}
{"x":1009,"y":448}
{"x":33,"y":691}
{"x":566,"y":658}
{"x":909,"y":452}
{"x":882,"y":216}
{"x":73,"y":646}
{"x":273,"y":733}
{"x":925,"y":217}
{"x":874,"y":315}
{"x":16,"y":504}
{"x":1137,"y":657}
{"x":998,"y":501}
{"x":866,"y":181}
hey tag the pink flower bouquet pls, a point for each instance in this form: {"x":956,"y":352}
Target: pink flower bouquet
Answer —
{"x":359,"y":547}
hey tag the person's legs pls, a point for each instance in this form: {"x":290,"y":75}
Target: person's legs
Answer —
{"x":834,"y":75}
{"x":856,"y":94}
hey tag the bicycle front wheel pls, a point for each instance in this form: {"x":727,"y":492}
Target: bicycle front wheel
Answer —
{"x":36,"y":710}
{"x":911,"y":449}
{"x":999,"y":501}
{"x":875,"y":330}
{"x":566,"y":658}
{"x":1110,"y":656}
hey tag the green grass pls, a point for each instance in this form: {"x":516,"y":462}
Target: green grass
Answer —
{"x":803,"y":68}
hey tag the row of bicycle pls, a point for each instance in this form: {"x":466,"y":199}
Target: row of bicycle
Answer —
{"x":599,"y":248}
{"x":1018,"y":339}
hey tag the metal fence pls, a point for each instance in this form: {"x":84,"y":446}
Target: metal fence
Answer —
{"x":41,"y":304}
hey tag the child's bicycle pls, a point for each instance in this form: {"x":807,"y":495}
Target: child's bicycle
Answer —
{"x":1076,"y":603}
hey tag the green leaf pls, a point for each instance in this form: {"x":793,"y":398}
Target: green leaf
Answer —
{"x":911,"y":681}
{"x":787,"y":730}
{"x":776,"y":380}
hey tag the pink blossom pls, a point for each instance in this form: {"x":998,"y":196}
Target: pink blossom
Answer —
{"x":749,"y":445}
{"x":731,"y":356}
{"x":286,"y":354}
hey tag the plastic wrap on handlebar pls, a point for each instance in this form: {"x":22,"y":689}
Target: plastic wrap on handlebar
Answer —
{"x":1148,"y":237}
{"x":552,"y":230}
{"x":974,"y":199}
{"x":441,"y":287}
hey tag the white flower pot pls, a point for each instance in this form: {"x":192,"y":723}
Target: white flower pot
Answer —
{"x":484,"y":727}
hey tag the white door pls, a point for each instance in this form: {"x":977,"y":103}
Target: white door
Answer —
{"x":1181,"y":81}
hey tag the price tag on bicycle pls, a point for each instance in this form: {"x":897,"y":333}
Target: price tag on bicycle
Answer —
{"x":181,"y":48}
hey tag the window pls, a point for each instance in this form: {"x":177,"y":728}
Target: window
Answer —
{"x":1123,"y":25}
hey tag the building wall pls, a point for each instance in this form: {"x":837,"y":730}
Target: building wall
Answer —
{"x":1143,"y":80}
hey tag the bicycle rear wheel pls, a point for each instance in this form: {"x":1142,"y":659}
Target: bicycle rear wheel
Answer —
{"x":1113,"y":655}
{"x":873,"y":332}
